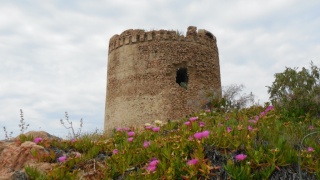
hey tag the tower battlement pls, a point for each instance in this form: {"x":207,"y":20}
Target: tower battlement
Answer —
{"x":133,"y":36}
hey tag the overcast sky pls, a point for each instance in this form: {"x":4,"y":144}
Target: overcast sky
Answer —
{"x":53,"y":54}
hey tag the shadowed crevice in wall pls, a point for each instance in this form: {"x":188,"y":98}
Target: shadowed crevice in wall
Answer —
{"x":182,"y":77}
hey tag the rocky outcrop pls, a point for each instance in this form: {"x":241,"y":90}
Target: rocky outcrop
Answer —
{"x":14,"y":156}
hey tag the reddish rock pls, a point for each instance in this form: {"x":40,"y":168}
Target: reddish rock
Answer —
{"x":15,"y":156}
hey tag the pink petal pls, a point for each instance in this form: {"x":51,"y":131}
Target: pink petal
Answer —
{"x":205,"y":133}
{"x":151,"y":168}
{"x":148,"y":127}
{"x":62,"y":159}
{"x":193,"y":118}
{"x":131,"y":133}
{"x":310,"y":149}
{"x":192,"y":162}
{"x":156,"y":129}
{"x":146,"y":144}
{"x":115,"y":151}
{"x":311,"y":127}
{"x":201,"y":124}
{"x":252,"y":121}
{"x":37,"y":140}
{"x":241,"y":157}
{"x":198,"y":135}
{"x":154,"y":163}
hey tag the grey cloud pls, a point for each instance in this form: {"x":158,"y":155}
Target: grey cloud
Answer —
{"x":53,"y":54}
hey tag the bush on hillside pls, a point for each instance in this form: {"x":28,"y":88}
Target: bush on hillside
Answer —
{"x":296,"y":93}
{"x":232,"y":98}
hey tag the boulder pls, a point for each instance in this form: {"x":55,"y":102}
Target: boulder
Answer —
{"x":14,"y":156}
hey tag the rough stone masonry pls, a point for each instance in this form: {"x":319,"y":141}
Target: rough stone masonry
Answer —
{"x":159,"y":75}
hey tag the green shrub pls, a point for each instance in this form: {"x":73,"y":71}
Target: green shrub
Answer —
{"x":232,"y":98}
{"x":296,"y":93}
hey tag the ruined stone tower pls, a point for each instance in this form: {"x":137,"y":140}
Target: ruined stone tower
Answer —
{"x":159,"y":75}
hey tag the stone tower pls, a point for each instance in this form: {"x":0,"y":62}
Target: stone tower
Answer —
{"x":159,"y":75}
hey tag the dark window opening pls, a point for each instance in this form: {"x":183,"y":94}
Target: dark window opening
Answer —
{"x":182,"y":77}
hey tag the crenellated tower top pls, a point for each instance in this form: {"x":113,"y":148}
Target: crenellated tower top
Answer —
{"x":134,"y":36}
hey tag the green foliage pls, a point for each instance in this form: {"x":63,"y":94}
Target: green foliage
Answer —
{"x":296,"y":93}
{"x":237,"y":171}
{"x":23,"y":138}
{"x":74,"y":134}
{"x":269,"y":145}
{"x":34,"y":174}
{"x":232,"y":98}
{"x":83,"y":144}
{"x":44,"y":157}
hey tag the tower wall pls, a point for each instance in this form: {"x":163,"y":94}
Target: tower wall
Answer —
{"x":159,"y":75}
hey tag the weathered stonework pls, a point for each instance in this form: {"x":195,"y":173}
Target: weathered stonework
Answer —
{"x":159,"y":75}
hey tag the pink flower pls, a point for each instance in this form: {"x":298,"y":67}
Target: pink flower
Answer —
{"x":193,"y":118}
{"x":310,"y":149}
{"x":37,"y":140}
{"x":252,"y":121}
{"x":198,"y":135}
{"x":62,"y":158}
{"x":187,"y":123}
{"x":130,"y":139}
{"x":73,"y":140}
{"x":269,"y":108}
{"x":126,"y":129}
{"x":201,"y":124}
{"x":151,"y":168}
{"x":229,"y":129}
{"x":148,"y":127}
{"x":119,"y":129}
{"x":156,"y":129}
{"x":241,"y":157}
{"x":190,"y":138}
{"x":130,"y":133}
{"x":207,"y":110}
{"x":152,"y":165}
{"x":192,"y":162}
{"x":256,"y":118}
{"x":249,"y":128}
{"x":77,"y":154}
{"x":115,"y":151}
{"x":227,"y":118}
{"x":154,"y":162}
{"x":146,"y":144}
{"x":205,"y":133}
{"x":262,"y":114}
{"x":311,"y":127}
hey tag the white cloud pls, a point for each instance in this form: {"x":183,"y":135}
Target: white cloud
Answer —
{"x":53,"y":54}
